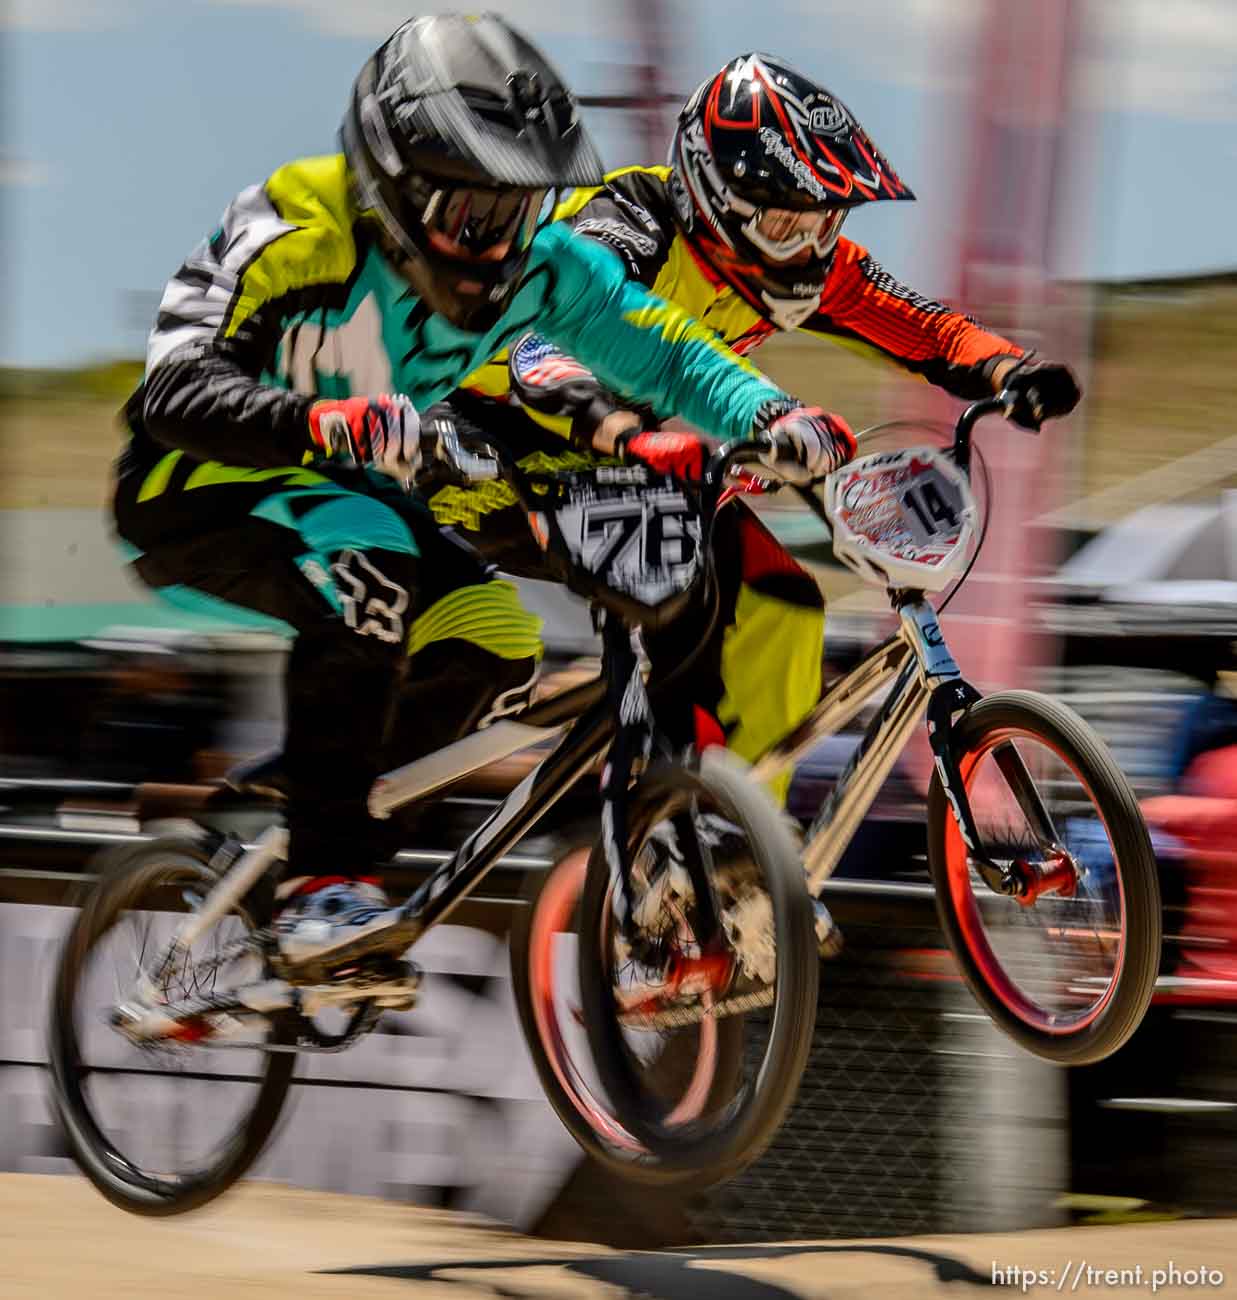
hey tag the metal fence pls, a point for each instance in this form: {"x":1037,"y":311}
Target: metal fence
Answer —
{"x":914,"y":1115}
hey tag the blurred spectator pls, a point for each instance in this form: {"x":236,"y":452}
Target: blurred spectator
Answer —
{"x":1202,"y":817}
{"x":152,"y":720}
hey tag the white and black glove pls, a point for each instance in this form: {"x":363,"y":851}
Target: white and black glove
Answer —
{"x":382,"y":432}
{"x":806,"y":443}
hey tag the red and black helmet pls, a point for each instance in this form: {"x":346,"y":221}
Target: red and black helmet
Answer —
{"x":766,"y":165}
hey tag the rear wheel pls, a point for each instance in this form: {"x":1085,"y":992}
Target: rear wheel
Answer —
{"x":752,"y":984}
{"x":1068,"y":969}
{"x":161,"y":1127}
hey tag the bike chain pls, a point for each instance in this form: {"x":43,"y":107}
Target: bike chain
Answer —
{"x":681,"y":1017}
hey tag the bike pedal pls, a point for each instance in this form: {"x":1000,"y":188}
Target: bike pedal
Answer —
{"x":378,"y":970}
{"x":398,"y":979}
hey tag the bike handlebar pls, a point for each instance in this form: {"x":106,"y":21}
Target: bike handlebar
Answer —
{"x":1002,"y":401}
{"x":440,"y":436}
{"x":443,"y":444}
{"x":742,"y":451}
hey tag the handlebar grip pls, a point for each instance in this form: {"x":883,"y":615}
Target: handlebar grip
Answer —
{"x":477,"y":469}
{"x":1003,"y":401}
{"x":442,"y":440}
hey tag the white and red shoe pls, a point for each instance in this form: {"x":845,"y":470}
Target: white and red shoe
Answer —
{"x":325,"y":915}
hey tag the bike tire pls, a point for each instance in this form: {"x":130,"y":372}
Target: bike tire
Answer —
{"x":716,"y":1150}
{"x":551,"y":902}
{"x":1081,"y":749}
{"x":126,"y":877}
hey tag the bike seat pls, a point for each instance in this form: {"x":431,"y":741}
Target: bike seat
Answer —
{"x":264,"y":777}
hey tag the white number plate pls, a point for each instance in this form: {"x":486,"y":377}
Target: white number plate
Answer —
{"x":903,"y":518}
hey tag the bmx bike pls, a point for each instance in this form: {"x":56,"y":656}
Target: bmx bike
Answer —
{"x":171,"y":968}
{"x":1045,"y":881}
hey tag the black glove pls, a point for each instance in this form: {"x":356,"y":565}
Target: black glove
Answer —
{"x":1044,"y":389}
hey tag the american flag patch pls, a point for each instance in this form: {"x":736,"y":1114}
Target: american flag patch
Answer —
{"x":539,"y":364}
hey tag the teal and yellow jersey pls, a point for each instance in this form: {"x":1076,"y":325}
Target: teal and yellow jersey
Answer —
{"x":291,"y":299}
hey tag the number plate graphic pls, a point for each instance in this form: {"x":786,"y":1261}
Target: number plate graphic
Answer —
{"x":903,"y":518}
{"x":643,"y":543}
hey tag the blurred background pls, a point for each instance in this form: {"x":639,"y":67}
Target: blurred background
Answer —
{"x":1075,"y":163}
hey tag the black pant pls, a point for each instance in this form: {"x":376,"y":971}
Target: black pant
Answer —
{"x":348,"y":562}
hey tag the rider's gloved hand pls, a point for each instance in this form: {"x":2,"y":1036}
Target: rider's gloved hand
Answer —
{"x":1044,"y":389}
{"x":807,"y":443}
{"x":383,"y":432}
{"x":680,"y":454}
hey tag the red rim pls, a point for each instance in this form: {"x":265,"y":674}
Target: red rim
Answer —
{"x":966,"y":908}
{"x":552,"y":917}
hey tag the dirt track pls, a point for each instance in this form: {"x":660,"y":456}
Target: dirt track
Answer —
{"x":59,"y":1239}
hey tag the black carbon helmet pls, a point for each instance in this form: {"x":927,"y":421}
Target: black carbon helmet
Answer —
{"x":766,"y":165}
{"x":457,"y":130}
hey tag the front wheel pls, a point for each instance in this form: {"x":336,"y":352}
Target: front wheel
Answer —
{"x":545,"y":976}
{"x":1066,"y":967}
{"x":720,"y":951}
{"x":164,"y":1126}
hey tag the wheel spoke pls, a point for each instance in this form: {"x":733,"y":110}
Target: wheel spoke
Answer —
{"x":1042,"y":951}
{"x":1027,"y":796}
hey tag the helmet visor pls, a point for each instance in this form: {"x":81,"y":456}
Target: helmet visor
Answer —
{"x":470,"y":224}
{"x":782,"y":234}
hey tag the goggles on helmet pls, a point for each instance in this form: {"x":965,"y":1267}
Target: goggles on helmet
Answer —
{"x":782,"y":233}
{"x":471,"y":224}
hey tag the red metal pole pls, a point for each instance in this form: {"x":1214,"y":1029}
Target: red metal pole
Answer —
{"x":650,"y":26}
{"x":1017,"y":131}
{"x":1020,"y":130}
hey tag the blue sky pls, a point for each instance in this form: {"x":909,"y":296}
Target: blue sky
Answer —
{"x":130,"y":123}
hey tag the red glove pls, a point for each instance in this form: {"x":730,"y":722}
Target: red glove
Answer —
{"x":681,"y":454}
{"x":384,"y":432}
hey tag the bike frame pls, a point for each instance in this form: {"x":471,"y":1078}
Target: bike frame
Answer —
{"x":916,"y":660}
{"x":925,"y":679}
{"x":580,"y":711}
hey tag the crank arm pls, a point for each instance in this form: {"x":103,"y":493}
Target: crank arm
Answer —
{"x":694,"y":1014}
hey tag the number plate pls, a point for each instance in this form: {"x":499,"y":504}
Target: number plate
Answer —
{"x":644,"y":543}
{"x":903,"y":518}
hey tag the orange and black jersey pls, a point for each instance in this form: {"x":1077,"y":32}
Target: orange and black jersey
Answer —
{"x":862,"y":305}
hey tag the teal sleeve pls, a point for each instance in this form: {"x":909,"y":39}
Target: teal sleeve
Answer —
{"x":641,"y":346}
